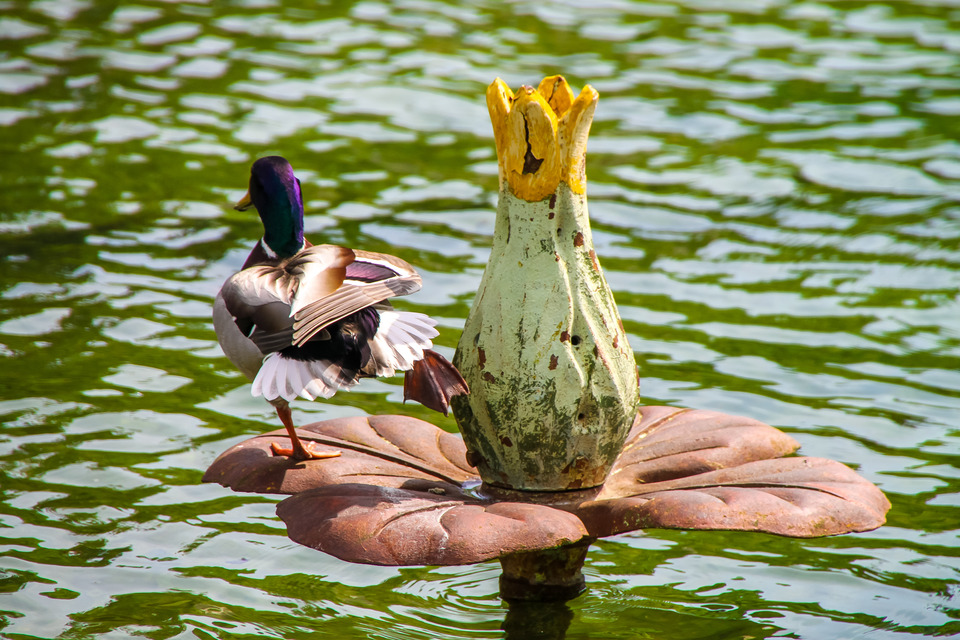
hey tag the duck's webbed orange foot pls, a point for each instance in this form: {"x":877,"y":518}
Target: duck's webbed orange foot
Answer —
{"x":297,"y":450}
{"x":303,"y":452}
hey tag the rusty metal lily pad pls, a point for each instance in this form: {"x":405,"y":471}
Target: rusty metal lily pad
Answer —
{"x":402,"y":492}
{"x":382,"y":525}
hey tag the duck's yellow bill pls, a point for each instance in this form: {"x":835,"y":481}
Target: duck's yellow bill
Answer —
{"x":244,"y":203}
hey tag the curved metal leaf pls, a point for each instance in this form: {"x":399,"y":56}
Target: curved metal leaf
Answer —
{"x":800,"y":497}
{"x":381,"y":525}
{"x":666,"y":442}
{"x":385,"y":451}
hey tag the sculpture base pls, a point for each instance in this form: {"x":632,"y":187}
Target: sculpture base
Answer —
{"x":546,"y":575}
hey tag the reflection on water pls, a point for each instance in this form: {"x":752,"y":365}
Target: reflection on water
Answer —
{"x":775,"y":189}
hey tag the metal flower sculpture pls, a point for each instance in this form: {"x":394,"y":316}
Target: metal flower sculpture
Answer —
{"x":553,"y":380}
{"x":555,"y":450}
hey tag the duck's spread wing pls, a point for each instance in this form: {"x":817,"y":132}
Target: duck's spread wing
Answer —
{"x":262,"y":298}
{"x":369,"y":279}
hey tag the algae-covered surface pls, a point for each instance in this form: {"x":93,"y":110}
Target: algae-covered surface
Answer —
{"x":775,"y":199}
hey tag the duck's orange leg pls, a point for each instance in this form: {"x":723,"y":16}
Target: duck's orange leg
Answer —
{"x":297,"y":451}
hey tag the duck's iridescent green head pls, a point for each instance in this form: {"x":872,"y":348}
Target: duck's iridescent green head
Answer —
{"x":275,"y":192}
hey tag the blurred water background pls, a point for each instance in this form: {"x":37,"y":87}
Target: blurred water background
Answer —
{"x":775,"y":194}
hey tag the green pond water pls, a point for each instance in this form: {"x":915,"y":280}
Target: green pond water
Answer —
{"x":775,"y":195}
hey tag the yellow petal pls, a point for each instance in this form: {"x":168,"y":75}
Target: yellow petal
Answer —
{"x":574,"y":130}
{"x":557,"y":93}
{"x":499,"y":100}
{"x":531,"y":161}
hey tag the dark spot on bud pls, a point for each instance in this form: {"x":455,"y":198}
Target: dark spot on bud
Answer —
{"x":565,"y":336}
{"x":481,"y":357}
{"x":554,"y":361}
{"x":476,"y":339}
{"x":581,"y":416}
{"x":616,"y":341}
{"x":530,"y":162}
{"x":505,"y":441}
{"x":551,"y":215}
{"x":575,"y":340}
{"x":488,"y":377}
{"x":474,"y":459}
{"x":578,"y":239}
{"x":553,"y":202}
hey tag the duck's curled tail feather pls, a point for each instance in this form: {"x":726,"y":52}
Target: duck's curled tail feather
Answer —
{"x":433,"y":381}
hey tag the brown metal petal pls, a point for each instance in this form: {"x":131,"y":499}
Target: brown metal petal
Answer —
{"x":666,"y":442}
{"x":801,"y":497}
{"x":379,"y":525}
{"x":388,"y":451}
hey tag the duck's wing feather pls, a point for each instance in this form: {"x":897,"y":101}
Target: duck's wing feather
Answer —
{"x":371,"y":278}
{"x":262,"y":298}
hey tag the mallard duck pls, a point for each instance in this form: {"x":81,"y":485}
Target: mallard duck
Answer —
{"x":303,"y":320}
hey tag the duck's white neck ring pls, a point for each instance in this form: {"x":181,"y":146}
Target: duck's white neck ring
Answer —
{"x":267,"y":250}
{"x":273,"y":254}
